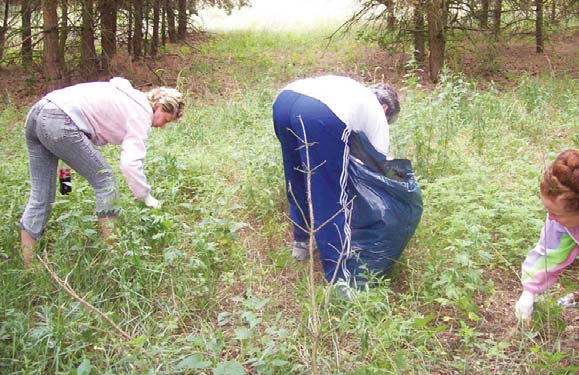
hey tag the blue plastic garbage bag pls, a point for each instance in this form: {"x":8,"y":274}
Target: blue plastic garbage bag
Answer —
{"x":386,"y":209}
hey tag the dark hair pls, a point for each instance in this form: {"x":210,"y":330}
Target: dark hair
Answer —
{"x":561,"y":179}
{"x":388,"y":95}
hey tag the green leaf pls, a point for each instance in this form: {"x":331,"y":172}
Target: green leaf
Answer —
{"x":229,"y":368}
{"x":237,"y":226}
{"x":194,"y":361}
{"x":251,"y":318}
{"x":84,"y":368}
{"x":256,"y":303}
{"x":171,"y":255}
{"x":279,"y":362}
{"x":242,"y":333}
{"x":63,"y":217}
{"x":474,"y":317}
{"x":223,"y":318}
{"x":158,"y":235}
{"x":422,"y":322}
{"x":485,"y":256}
{"x":400,"y":361}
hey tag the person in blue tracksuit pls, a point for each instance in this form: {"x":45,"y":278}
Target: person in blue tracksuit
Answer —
{"x":329,"y":108}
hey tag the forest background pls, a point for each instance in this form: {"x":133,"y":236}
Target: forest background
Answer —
{"x":206,"y":284}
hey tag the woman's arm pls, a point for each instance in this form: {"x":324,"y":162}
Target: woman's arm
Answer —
{"x":133,"y":152}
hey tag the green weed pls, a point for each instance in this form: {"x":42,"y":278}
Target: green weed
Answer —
{"x":206,"y":283}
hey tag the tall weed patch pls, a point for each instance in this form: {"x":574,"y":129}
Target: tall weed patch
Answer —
{"x":206,"y":284}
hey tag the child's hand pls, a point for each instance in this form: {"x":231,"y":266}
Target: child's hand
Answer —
{"x":524,"y":306}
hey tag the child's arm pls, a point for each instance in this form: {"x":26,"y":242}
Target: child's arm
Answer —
{"x":555,"y":251}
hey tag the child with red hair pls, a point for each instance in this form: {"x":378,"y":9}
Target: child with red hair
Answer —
{"x":558,"y":245}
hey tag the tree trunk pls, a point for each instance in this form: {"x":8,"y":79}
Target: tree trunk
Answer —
{"x":182,"y":21}
{"x":26,"y":34}
{"x":391,"y":15}
{"x":155,"y":37}
{"x":484,"y":14}
{"x":108,"y":12}
{"x":146,"y":20}
{"x":554,"y":11}
{"x":539,"y":40}
{"x":138,"y":29}
{"x":4,"y":28}
{"x":63,"y":31}
{"x":163,"y":25}
{"x":436,"y":42}
{"x":52,"y":66}
{"x":88,"y":55}
{"x":497,"y":12}
{"x":170,"y":21}
{"x":130,"y":33}
{"x":419,"y":40}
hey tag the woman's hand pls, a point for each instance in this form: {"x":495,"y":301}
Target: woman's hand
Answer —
{"x":150,"y":201}
{"x":524,"y":306}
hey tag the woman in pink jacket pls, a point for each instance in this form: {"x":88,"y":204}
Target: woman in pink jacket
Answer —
{"x":558,"y":244}
{"x":69,"y":123}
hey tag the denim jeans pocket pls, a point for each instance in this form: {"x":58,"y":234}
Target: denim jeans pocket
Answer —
{"x":55,"y":125}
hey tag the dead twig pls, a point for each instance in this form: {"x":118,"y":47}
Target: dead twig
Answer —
{"x":161,"y":80}
{"x":311,"y":283}
{"x":312,"y":229}
{"x":68,"y":289}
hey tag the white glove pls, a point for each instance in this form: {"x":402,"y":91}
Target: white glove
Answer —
{"x":524,"y":306}
{"x":150,"y":201}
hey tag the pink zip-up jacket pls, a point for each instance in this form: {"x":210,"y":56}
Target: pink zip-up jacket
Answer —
{"x":557,"y":249}
{"x":112,"y":113}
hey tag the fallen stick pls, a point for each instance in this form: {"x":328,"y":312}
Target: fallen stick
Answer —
{"x":68,"y":289}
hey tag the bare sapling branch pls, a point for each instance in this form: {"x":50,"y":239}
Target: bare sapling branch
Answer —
{"x":342,"y":252}
{"x":311,"y":282}
{"x":333,"y":216}
{"x":312,"y":229}
{"x":302,"y":213}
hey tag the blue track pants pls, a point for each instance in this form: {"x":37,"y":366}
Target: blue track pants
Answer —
{"x":328,"y":139}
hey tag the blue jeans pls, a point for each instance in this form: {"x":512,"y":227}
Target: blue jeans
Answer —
{"x":51,"y":135}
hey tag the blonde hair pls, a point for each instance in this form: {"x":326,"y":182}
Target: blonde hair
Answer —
{"x":170,"y":99}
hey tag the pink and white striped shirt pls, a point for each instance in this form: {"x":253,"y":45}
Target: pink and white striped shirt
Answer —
{"x":556,"y":250}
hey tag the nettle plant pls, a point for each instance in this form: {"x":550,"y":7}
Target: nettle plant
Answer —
{"x":198,"y":284}
{"x":241,"y":337}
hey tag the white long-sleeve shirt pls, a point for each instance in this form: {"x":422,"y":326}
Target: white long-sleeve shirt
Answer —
{"x":112,"y":113}
{"x":353,"y":103}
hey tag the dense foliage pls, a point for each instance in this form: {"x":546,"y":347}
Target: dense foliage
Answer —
{"x":206,"y":284}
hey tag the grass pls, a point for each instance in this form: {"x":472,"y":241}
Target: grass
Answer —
{"x":206,"y":284}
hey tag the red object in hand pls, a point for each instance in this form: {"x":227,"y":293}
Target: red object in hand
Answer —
{"x":65,"y":179}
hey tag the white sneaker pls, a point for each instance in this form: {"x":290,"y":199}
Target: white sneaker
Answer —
{"x":300,"y":251}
